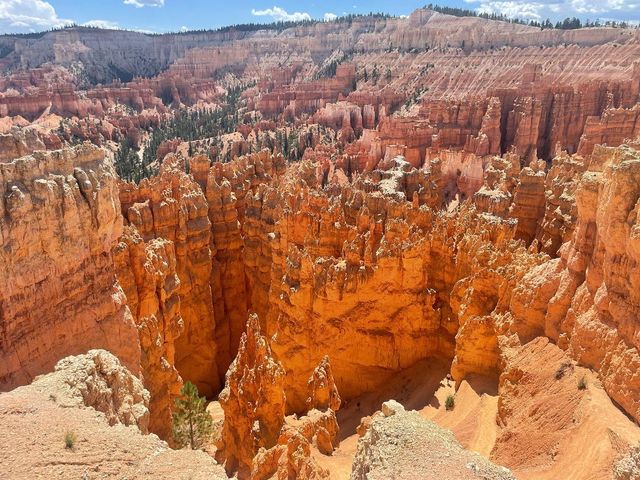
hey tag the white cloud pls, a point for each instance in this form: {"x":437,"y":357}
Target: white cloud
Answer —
{"x":542,"y":9}
{"x":184,"y":29}
{"x":28,"y":15}
{"x":329,"y":17}
{"x":601,"y":6}
{"x":106,"y":24}
{"x":279,"y":14}
{"x":513,"y":8}
{"x":145,"y":3}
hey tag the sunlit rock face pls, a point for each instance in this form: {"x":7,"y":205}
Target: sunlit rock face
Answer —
{"x":387,"y":193}
{"x":172,"y":207}
{"x":60,"y":295}
{"x":585,"y":300}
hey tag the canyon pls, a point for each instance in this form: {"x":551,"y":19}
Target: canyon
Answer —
{"x":419,"y":231}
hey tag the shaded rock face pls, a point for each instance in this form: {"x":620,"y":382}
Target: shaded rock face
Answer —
{"x":60,"y":296}
{"x":393,"y":446}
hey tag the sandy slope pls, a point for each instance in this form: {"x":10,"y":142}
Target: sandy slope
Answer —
{"x":543,"y":448}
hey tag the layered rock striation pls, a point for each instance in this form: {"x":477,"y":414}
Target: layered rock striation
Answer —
{"x":172,"y":207}
{"x":60,"y":295}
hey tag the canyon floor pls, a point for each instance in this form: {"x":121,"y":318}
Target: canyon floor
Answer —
{"x":379,"y":247}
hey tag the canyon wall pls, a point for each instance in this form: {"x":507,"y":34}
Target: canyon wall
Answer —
{"x":171,"y":208}
{"x":60,"y":222}
{"x":458,"y":205}
{"x":585,"y":300}
{"x":147,"y":273}
{"x":98,"y":50}
{"x":371,"y":272}
{"x":365,"y":276}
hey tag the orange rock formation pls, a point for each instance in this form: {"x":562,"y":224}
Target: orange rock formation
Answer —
{"x":60,"y":295}
{"x":467,"y":197}
{"x":253,"y":401}
{"x":172,"y":207}
{"x":257,"y":441}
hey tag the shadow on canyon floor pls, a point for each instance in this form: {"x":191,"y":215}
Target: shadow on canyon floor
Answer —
{"x":414,"y":388}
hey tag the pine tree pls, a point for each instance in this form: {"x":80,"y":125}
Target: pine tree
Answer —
{"x":192,"y":425}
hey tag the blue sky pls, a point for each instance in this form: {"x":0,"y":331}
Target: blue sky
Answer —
{"x":173,"y":15}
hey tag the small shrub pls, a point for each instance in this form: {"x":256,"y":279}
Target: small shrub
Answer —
{"x":69,"y":440}
{"x":562,"y":369}
{"x":450,"y":402}
{"x":582,"y":384}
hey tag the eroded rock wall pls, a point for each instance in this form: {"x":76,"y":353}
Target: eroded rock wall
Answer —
{"x":366,"y":272}
{"x":172,"y":207}
{"x":586,"y":300}
{"x":59,"y":295}
{"x":147,"y":273}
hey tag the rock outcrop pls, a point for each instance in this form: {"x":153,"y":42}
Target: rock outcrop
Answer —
{"x":147,"y":274}
{"x":59,"y":295}
{"x":257,"y":441}
{"x":585,"y":300}
{"x":326,"y":287}
{"x":394,"y":445}
{"x":98,"y":380}
{"x":321,"y":387}
{"x":253,"y":402}
{"x":103,"y":406}
{"x":292,"y":456}
{"x":628,"y":467}
{"x":172,"y":207}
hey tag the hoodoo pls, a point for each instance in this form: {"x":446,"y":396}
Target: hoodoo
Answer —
{"x":364,"y":247}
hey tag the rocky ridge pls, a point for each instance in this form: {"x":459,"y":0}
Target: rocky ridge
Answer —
{"x":392,"y":446}
{"x":105,"y":407}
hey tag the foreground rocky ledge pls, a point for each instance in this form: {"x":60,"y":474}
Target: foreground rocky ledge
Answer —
{"x":395,"y":445}
{"x":85,"y":395}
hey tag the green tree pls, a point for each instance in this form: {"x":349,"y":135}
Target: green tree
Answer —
{"x":192,"y":425}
